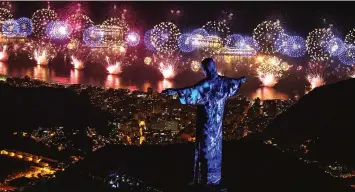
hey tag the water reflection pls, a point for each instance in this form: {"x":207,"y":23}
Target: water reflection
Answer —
{"x":268,"y":93}
{"x":46,"y":73}
{"x":75,"y":75}
{"x":3,"y":68}
{"x":112,"y":81}
{"x":41,"y":73}
{"x":165,"y":84}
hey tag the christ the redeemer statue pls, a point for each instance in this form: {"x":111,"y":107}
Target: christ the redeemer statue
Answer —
{"x":210,"y":95}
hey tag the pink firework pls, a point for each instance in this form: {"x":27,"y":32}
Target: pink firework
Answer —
{"x":42,"y":52}
{"x":41,"y":57}
{"x":268,"y":79}
{"x":315,"y":75}
{"x":3,"y":69}
{"x":78,"y":54}
{"x":315,"y":80}
{"x":351,"y":72}
{"x":271,"y":70}
{"x":73,"y":8}
{"x":77,"y":64}
{"x":113,"y":68}
{"x":115,"y":60}
{"x":167,"y":70}
{"x":168,"y":64}
{"x":3,"y":54}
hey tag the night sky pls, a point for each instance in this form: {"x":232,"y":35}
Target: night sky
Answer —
{"x":297,"y":17}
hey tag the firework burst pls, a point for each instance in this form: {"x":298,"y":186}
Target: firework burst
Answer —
{"x":78,"y":23}
{"x":217,"y":28}
{"x":93,"y":36}
{"x":335,"y":46}
{"x":132,"y":39}
{"x":185,"y":43}
{"x":25,"y":26}
{"x":10,"y":28}
{"x":78,"y":53}
{"x":316,"y":43}
{"x":115,"y":31}
{"x":266,"y":34}
{"x":77,"y":64}
{"x":350,"y":37}
{"x":271,"y":70}
{"x":168,"y":64}
{"x":5,"y":14}
{"x":237,"y":45}
{"x":41,"y":57}
{"x":315,"y":75}
{"x":242,"y":65}
{"x":116,"y":59}
{"x":210,"y":45}
{"x":195,"y":66}
{"x":73,"y":8}
{"x":296,"y":47}
{"x":351,"y":72}
{"x":147,"y":40}
{"x":113,"y":68}
{"x":42,"y":52}
{"x":164,"y":37}
{"x":347,"y":56}
{"x":58,"y":30}
{"x":147,"y":60}
{"x":3,"y":53}
{"x":40,"y":20}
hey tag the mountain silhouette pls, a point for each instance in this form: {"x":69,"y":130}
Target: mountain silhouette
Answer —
{"x":325,"y":115}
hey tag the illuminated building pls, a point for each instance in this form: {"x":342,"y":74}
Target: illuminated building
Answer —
{"x":208,"y":41}
{"x":232,"y":51}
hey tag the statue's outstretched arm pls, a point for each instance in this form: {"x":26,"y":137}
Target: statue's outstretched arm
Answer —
{"x":235,"y":85}
{"x":239,"y":80}
{"x":188,"y":95}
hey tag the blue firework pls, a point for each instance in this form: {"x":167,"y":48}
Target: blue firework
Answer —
{"x":335,"y":46}
{"x":295,"y":47}
{"x":93,"y":36}
{"x":25,"y":25}
{"x":234,"y":40}
{"x":58,"y":30}
{"x":10,"y":28}
{"x":147,"y":41}
{"x":250,"y":42}
{"x":280,"y":44}
{"x":200,"y":31}
{"x":185,"y":43}
{"x":245,"y":46}
{"x":347,"y":57}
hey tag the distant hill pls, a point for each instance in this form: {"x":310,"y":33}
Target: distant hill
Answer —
{"x":248,"y":166}
{"x":28,"y":108}
{"x":327,"y":113}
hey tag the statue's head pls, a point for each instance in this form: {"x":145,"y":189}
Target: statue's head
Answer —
{"x":209,"y":67}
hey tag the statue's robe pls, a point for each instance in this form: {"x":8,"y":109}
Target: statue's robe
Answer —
{"x":210,"y":96}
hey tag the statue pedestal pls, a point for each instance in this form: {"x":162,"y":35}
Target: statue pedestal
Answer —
{"x":208,"y":188}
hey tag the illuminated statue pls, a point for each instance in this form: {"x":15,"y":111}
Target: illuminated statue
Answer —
{"x":210,"y":95}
